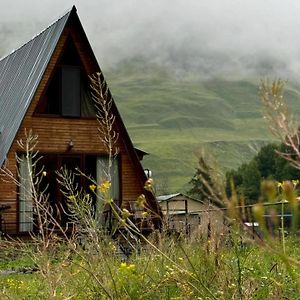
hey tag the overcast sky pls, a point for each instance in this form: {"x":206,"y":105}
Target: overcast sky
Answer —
{"x":224,"y":37}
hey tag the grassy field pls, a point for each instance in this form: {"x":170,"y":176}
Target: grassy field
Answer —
{"x":172,"y":118}
{"x":222,"y":268}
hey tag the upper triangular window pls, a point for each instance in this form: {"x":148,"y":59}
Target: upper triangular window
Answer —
{"x":67,"y":93}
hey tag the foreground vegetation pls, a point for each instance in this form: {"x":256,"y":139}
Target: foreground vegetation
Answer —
{"x":229,"y":268}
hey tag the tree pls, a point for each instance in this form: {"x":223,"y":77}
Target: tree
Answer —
{"x":267,"y":164}
{"x":265,"y":160}
{"x":207,"y":184}
{"x":251,"y":178}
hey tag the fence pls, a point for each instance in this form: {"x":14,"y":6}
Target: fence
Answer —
{"x":214,"y":220}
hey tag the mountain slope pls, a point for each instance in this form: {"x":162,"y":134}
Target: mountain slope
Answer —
{"x":172,"y":118}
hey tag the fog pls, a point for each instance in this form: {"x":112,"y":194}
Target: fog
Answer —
{"x":212,"y":38}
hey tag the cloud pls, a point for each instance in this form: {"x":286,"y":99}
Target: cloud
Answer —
{"x":223,"y":38}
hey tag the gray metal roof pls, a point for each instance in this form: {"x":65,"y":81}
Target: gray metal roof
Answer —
{"x":163,"y":198}
{"x":20,"y":75}
{"x":167,"y":197}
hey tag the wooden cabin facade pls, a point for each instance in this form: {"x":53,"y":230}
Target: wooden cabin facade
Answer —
{"x":44,"y":87}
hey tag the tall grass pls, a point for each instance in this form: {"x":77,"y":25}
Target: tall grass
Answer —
{"x":185,"y":270}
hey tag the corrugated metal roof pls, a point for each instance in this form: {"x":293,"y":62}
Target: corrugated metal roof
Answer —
{"x":171,"y":196}
{"x":167,"y":197}
{"x":20,"y":75}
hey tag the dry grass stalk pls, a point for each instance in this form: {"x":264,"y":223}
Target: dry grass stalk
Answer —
{"x":281,"y":123}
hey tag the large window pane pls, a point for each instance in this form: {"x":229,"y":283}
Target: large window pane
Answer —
{"x":70,"y":91}
{"x":104,"y":173}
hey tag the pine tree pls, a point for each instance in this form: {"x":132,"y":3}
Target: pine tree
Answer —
{"x":205,"y":184}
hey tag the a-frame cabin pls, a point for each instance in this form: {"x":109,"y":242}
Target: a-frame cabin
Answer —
{"x":44,"y":87}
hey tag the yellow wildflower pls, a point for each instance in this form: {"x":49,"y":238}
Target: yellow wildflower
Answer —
{"x":140,"y":201}
{"x":131,"y":267}
{"x":104,"y":186}
{"x":92,"y":187}
{"x":144,"y":214}
{"x":125,"y":214}
{"x":148,"y":185}
{"x":72,"y":198}
{"x":123,"y":265}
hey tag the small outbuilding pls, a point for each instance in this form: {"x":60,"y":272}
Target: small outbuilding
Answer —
{"x":185,"y":214}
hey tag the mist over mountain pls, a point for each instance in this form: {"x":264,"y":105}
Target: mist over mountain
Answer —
{"x":210,"y":38}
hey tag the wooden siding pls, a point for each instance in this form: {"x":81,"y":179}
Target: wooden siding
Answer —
{"x":54,"y":134}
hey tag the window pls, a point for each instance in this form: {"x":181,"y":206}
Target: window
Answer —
{"x":68,"y":93}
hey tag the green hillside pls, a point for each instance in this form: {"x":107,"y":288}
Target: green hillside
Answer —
{"x":172,"y":118}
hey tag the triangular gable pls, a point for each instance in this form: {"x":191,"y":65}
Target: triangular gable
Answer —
{"x":20,"y":75}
